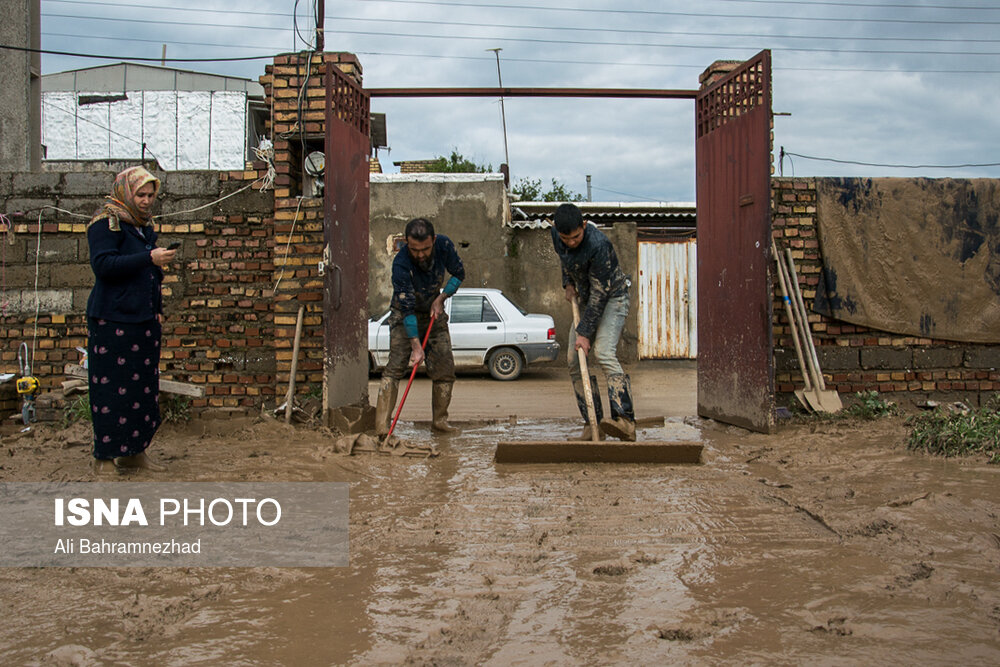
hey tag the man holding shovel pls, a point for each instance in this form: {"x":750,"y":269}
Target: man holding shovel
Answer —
{"x":590,"y":271}
{"x":418,"y":272}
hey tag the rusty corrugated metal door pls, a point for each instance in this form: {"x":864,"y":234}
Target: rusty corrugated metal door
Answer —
{"x":345,"y":231}
{"x":733,"y":165}
{"x":667,"y":287}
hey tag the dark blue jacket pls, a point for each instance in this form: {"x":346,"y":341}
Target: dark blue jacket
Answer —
{"x":127,"y":285}
{"x":592,"y":268}
{"x":413,"y":290}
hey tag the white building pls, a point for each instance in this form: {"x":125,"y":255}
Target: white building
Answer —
{"x":125,"y":111}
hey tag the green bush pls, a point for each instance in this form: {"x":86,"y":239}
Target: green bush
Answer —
{"x":175,"y":408}
{"x":77,"y":410}
{"x":870,"y":405}
{"x":958,"y":433}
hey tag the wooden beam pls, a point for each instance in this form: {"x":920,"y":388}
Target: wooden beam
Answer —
{"x":166,"y":386}
{"x":582,"y":451}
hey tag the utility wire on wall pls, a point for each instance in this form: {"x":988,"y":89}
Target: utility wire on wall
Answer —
{"x":783,"y":153}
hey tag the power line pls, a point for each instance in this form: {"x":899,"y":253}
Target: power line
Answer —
{"x":865,"y":4}
{"x":795,"y":3}
{"x":701,"y":66}
{"x":894,"y":166}
{"x":186,"y":24}
{"x":537,"y":27}
{"x":642,"y":12}
{"x":157,"y":41}
{"x":606,"y":30}
{"x":716,"y":47}
{"x":107,"y":57}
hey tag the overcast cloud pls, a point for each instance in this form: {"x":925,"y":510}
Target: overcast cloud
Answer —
{"x":871,"y":81}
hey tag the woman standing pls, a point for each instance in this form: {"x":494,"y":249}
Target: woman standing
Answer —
{"x":124,"y":313}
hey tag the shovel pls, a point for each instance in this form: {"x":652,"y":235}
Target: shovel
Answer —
{"x":829,"y":399}
{"x":806,"y":396}
{"x":815,"y":396}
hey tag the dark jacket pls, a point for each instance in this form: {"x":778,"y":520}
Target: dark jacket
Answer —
{"x":127,"y":285}
{"x":592,"y":268}
{"x":413,"y":289}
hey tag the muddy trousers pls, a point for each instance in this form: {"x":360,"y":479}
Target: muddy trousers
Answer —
{"x":604,"y":354}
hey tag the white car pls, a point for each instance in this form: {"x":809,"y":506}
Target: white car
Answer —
{"x":487,"y":329}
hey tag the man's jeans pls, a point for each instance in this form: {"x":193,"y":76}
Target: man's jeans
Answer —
{"x":605,"y":345}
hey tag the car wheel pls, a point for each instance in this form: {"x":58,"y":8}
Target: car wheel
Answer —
{"x":506,"y":363}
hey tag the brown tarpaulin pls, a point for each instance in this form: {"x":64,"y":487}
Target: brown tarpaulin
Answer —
{"x":919,"y":257}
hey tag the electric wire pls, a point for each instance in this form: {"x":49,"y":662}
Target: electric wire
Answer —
{"x":645,"y":12}
{"x":893,"y":166}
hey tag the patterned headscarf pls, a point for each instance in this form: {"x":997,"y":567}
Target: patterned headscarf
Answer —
{"x":120,"y":204}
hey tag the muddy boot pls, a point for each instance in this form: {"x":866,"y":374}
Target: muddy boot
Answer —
{"x":586,"y":435}
{"x":581,"y":399}
{"x":622,"y":422}
{"x":440,"y":400}
{"x":138,"y":462}
{"x":104,"y":467}
{"x":385,"y":404}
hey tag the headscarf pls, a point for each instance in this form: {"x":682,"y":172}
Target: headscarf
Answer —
{"x":120,"y":204}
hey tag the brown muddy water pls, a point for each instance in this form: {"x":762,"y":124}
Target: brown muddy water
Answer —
{"x":822,"y":544}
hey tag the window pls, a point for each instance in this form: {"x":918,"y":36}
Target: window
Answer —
{"x":466,"y":309}
{"x":472,"y":308}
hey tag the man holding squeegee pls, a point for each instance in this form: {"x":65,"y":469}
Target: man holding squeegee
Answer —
{"x":590,"y":272}
{"x":418,"y":272}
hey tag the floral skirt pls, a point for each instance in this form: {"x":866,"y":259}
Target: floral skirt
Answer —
{"x":124,"y":367}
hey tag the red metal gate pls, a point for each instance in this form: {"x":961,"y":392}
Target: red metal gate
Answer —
{"x":345,"y":233}
{"x":733,"y":162}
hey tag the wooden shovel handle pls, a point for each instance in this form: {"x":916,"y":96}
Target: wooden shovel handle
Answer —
{"x":587,"y":393}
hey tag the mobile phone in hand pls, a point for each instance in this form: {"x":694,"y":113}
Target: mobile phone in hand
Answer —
{"x":174,"y":246}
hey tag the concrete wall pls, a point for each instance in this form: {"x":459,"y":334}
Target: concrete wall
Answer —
{"x":20,"y":79}
{"x":855,"y":358}
{"x":521,"y":262}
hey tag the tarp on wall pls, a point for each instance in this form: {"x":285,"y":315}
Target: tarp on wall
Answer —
{"x":919,"y":257}
{"x":181,"y":129}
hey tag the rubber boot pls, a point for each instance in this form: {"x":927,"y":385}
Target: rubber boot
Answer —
{"x":440,"y":400}
{"x":622,"y":422}
{"x":385,"y":404}
{"x":581,"y":404}
{"x":138,"y":462}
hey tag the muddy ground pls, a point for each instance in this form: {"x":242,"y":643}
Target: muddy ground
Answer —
{"x":821,"y":544}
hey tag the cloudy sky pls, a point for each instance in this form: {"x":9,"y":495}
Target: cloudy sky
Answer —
{"x":882,"y":82}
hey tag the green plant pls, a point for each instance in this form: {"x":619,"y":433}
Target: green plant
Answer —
{"x":957,"y":433}
{"x":175,"y":408}
{"x":870,"y":405}
{"x":315,"y":391}
{"x":77,"y":410}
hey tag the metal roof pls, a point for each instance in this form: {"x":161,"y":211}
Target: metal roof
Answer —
{"x":652,"y":219}
{"x":122,"y":77}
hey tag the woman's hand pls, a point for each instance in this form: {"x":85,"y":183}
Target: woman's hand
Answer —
{"x":162,"y":256}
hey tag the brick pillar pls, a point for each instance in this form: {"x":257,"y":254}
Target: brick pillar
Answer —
{"x":298,"y":128}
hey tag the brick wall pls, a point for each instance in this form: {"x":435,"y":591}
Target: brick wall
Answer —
{"x":246,"y":263}
{"x":219,"y":329}
{"x":856,"y":358}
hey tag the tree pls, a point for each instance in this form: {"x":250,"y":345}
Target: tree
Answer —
{"x":459,"y":164}
{"x":531,"y":190}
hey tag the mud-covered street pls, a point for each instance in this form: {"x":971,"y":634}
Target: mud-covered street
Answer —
{"x":822,"y":544}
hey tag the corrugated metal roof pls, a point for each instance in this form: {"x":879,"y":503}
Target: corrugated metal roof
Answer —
{"x":120,"y":77}
{"x":651,"y":218}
